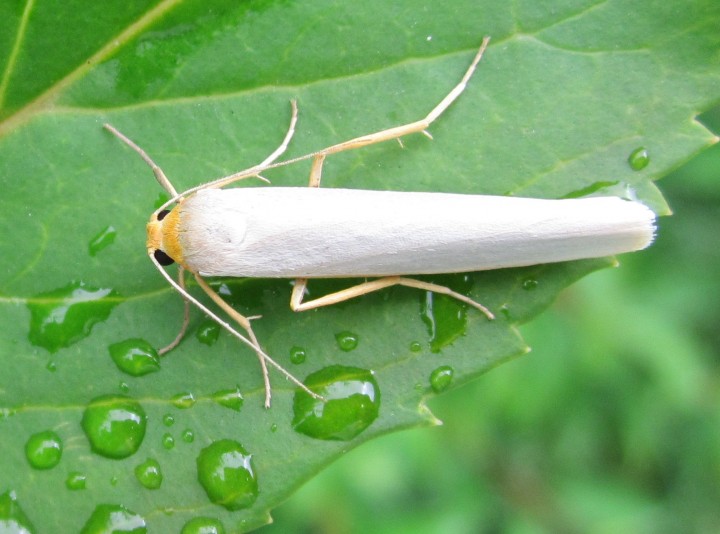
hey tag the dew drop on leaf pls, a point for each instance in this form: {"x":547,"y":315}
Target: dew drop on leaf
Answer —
{"x":441,"y":378}
{"x":352,"y":403}
{"x":114,"y":518}
{"x":149,"y":474}
{"x":135,"y":357}
{"x":64,"y":316}
{"x":114,"y":425}
{"x":44,"y":450}
{"x":226,"y":473}
{"x":203,"y":525}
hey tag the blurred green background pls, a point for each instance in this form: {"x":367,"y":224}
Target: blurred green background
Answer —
{"x":611,"y":424}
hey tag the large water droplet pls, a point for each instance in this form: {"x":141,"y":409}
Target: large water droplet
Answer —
{"x":168,"y":442}
{"x":44,"y":450}
{"x":102,"y":240}
{"x":114,"y":519}
{"x":226,"y":473}
{"x":135,"y":357}
{"x":64,"y":316}
{"x":230,"y":398}
{"x":444,"y":316}
{"x":352,"y":403}
{"x":208,"y":332}
{"x":441,"y":378}
{"x":639,"y":158}
{"x":203,"y":525}
{"x":149,"y":474}
{"x":114,"y":425}
{"x":12,"y":517}
{"x":347,"y":341}
{"x":75,"y":481}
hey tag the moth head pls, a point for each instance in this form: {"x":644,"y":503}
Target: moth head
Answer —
{"x":162,"y":241}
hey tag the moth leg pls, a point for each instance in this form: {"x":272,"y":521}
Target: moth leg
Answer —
{"x":298,"y":293}
{"x":413,"y":127}
{"x":186,"y":316}
{"x":264,"y":359}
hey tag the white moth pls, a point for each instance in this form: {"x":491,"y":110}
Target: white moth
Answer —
{"x":304,"y":233}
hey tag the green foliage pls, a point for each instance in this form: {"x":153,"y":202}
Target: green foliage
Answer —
{"x":566,"y":93}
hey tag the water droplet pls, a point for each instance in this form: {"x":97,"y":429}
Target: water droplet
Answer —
{"x":124,"y":387}
{"x":415,"y":346}
{"x":208,"y":332}
{"x":347,"y":341}
{"x":203,"y":525}
{"x":352,"y":403}
{"x":12,"y":516}
{"x":529,"y":284}
{"x":273,"y":427}
{"x":590,"y":189}
{"x":51,"y":366}
{"x":114,"y":425}
{"x":64,"y":316}
{"x":225,"y":472}
{"x":168,"y":420}
{"x":230,"y":398}
{"x":441,"y":378}
{"x":445,"y":317}
{"x":102,"y":240}
{"x":113,"y":481}
{"x":135,"y":357}
{"x":114,"y":519}
{"x":168,"y":442}
{"x":183,"y":400}
{"x":297,"y":355}
{"x":149,"y":474}
{"x":75,"y":481}
{"x":188,"y":436}
{"x":44,"y":450}
{"x":639,"y":158}
{"x":505,"y":310}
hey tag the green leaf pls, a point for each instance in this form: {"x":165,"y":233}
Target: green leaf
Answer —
{"x":566,"y":93}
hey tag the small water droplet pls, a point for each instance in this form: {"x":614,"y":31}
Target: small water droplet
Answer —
{"x":229,"y":398}
{"x":188,"y":436}
{"x":352,"y":403}
{"x":639,"y":158}
{"x":347,"y":341}
{"x":297,"y":355}
{"x":44,"y":450}
{"x":203,"y":525}
{"x":135,"y":357}
{"x":64,"y":316}
{"x":208,"y":332}
{"x":114,"y":519}
{"x":441,"y":378}
{"x":114,"y":425}
{"x":505,"y":310}
{"x":273,"y":427}
{"x":102,"y":240}
{"x":226,"y":473}
{"x":113,"y":481}
{"x":12,"y":517}
{"x":149,"y":474}
{"x":445,"y":317}
{"x":51,"y":366}
{"x":168,"y":420}
{"x":415,"y":346}
{"x":529,"y":284}
{"x":75,"y":481}
{"x":183,"y":400}
{"x":124,"y":387}
{"x":168,"y":442}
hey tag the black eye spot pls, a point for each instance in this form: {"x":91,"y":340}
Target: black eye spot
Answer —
{"x":162,"y":214}
{"x":162,"y":258}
